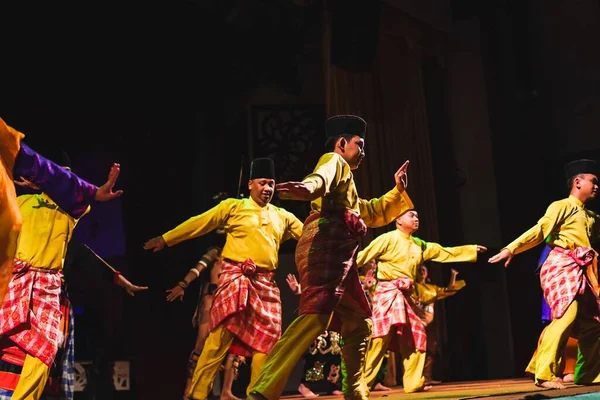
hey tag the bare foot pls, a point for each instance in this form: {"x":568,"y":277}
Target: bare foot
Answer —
{"x":380,"y":388}
{"x":551,"y":385}
{"x":423,"y":389}
{"x":306,"y":392}
{"x":228,"y":396}
{"x":568,"y":378}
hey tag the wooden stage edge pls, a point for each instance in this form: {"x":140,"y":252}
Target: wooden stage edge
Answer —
{"x":505,"y":389}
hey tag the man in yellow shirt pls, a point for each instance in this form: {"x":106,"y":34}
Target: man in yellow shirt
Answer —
{"x":569,"y":278}
{"x":19,"y":160}
{"x":399,"y":255}
{"x":326,"y":259}
{"x":30,"y":314}
{"x":246,"y":309}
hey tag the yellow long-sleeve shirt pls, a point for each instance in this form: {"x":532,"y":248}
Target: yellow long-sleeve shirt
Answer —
{"x":566,"y":223}
{"x":398,"y":254}
{"x":252,"y":231}
{"x":45,"y":233}
{"x":333,"y":173}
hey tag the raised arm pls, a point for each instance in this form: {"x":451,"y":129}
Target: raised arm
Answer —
{"x":383,"y":210}
{"x":71,"y":193}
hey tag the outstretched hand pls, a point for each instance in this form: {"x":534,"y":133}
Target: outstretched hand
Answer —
{"x":505,"y":254}
{"x":155,"y":244}
{"x":105,"y":192}
{"x":481,"y":249}
{"x":175,"y":293}
{"x":401,"y":177}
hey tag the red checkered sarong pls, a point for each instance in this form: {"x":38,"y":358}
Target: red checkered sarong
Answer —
{"x":392,"y":309}
{"x":30,"y":314}
{"x":247,"y":303}
{"x":326,"y":261}
{"x":563,"y":277}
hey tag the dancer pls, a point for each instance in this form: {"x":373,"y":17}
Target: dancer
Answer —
{"x":246,"y":310}
{"x":32,"y":324}
{"x":326,"y":259}
{"x":569,"y":278}
{"x":399,"y":254}
{"x":19,"y":160}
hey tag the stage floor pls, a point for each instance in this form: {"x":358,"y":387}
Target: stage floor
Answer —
{"x":506,"y":389}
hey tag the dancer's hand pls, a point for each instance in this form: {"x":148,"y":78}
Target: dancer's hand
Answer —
{"x":175,"y":293}
{"x":155,"y":244}
{"x":105,"y":192}
{"x":129,"y":287}
{"x":505,"y":254}
{"x":293,"y":283}
{"x":481,"y":249}
{"x":401,"y":177}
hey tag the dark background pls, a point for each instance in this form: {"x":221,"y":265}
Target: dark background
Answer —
{"x":162,"y":89}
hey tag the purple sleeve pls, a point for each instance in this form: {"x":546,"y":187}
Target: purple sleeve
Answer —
{"x":66,"y":189}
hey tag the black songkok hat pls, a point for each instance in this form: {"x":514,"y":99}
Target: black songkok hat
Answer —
{"x":345,"y":124}
{"x":581,"y":167}
{"x":262,"y":168}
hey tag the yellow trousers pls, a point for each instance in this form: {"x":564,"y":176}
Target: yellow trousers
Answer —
{"x":214,"y":352}
{"x":413,"y":361}
{"x":546,"y":361}
{"x":32,"y":380}
{"x":356,"y":329}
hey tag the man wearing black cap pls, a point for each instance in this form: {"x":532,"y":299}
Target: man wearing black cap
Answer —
{"x":569,"y":278}
{"x":246,"y":311}
{"x":332,"y":294}
{"x":399,"y":254}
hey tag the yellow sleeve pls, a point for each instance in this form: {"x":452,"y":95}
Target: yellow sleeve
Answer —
{"x":555,"y":214}
{"x":294,"y":229}
{"x":437,"y":253}
{"x":328,"y":173}
{"x":382,"y":211}
{"x":376,"y":248}
{"x":200,"y":224}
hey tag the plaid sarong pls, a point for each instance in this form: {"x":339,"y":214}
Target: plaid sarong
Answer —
{"x":563,"y":277}
{"x":391,"y":308}
{"x":30,"y":314}
{"x":247,"y":303}
{"x":326,"y":261}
